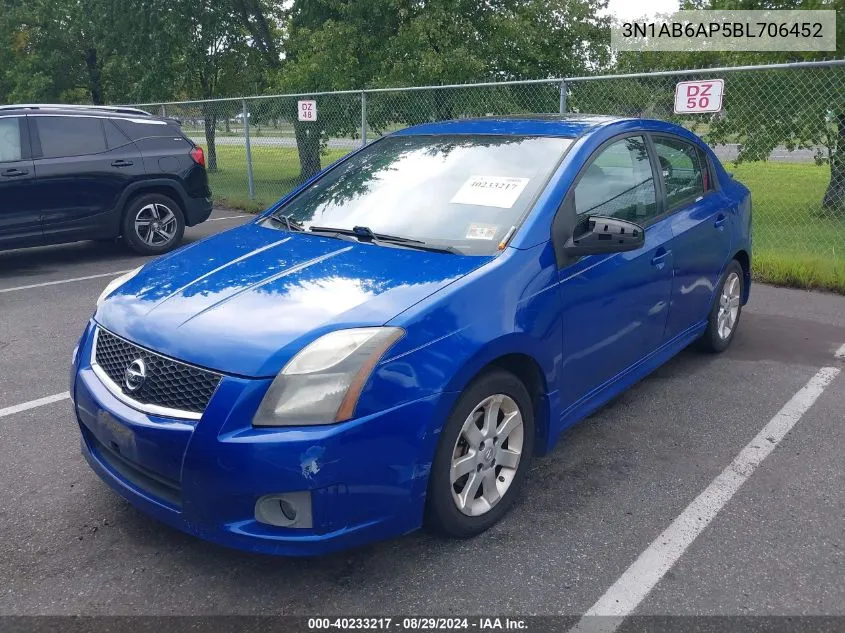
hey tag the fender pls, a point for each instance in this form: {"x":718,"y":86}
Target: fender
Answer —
{"x":507,"y":345}
{"x":175,"y":189}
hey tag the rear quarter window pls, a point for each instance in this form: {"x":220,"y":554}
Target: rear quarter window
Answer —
{"x":114,"y":137}
{"x":707,"y":171}
{"x":138,"y":129}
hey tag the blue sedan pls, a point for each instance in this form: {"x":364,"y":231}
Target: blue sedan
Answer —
{"x":393,"y":342}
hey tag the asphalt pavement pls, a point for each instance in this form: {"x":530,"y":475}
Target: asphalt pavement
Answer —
{"x":605,"y":500}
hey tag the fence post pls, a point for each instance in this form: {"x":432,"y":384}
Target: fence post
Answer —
{"x":363,"y":118}
{"x":248,"y":152}
{"x":163,"y":110}
{"x":563,"y":97}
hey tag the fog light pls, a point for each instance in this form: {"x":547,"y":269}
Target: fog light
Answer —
{"x":290,"y":509}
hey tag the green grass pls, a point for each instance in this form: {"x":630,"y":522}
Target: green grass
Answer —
{"x":274,"y":170}
{"x":796,"y":242}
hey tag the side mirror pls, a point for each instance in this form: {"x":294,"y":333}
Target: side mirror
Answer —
{"x":598,"y":235}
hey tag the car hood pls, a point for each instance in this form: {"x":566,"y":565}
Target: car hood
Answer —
{"x":244,"y":301}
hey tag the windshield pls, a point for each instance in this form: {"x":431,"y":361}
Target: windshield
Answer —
{"x":460,"y":191}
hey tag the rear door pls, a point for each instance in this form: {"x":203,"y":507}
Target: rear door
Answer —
{"x":699,"y":218}
{"x":81,"y":168}
{"x":20,"y":218}
{"x":164,"y":148}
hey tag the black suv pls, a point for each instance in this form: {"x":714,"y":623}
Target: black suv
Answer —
{"x":71,"y":173}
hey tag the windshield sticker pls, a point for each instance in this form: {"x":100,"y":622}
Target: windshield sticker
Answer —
{"x":490,"y":191}
{"x":481,"y":231}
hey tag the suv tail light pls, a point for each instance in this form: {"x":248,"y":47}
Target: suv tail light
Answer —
{"x":198,"y":155}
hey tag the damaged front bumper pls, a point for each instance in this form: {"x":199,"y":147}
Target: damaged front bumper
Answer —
{"x":365,"y":479}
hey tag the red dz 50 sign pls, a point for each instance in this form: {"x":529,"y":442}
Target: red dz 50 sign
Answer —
{"x":699,"y":96}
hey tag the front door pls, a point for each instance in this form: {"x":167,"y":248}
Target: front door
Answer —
{"x":615,"y":306}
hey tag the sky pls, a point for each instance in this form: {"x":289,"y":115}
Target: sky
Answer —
{"x":628,"y":9}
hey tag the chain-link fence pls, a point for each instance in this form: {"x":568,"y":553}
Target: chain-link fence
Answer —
{"x":781,"y":131}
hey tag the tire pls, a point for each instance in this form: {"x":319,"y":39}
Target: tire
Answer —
{"x":150,"y":208}
{"x":715,"y":339}
{"x":443,"y":514}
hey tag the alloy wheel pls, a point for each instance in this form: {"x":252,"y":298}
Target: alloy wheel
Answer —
{"x":155,"y":224}
{"x":486,"y":455}
{"x":728,"y":306}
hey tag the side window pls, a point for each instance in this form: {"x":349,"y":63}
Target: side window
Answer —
{"x":138,"y":129}
{"x":680,"y":169}
{"x":706,"y":171}
{"x":10,"y":139}
{"x":114,"y":137}
{"x":70,"y":135}
{"x":619,"y":183}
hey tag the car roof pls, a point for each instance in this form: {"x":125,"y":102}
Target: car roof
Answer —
{"x":568,"y":125}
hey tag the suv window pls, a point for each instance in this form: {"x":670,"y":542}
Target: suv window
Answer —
{"x":619,"y":183}
{"x":10,"y":139}
{"x":680,"y":170}
{"x":138,"y":129}
{"x":114,"y":137}
{"x":62,"y":136}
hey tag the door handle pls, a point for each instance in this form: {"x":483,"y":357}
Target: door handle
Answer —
{"x":122,"y":163}
{"x":15,"y":172}
{"x":720,"y":221}
{"x":659,"y":259}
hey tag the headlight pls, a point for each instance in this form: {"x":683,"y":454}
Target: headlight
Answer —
{"x":117,"y":283}
{"x":322,"y":383}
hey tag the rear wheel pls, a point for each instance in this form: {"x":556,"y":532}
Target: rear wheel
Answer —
{"x":484,"y":454}
{"x":724,"y":315}
{"x":153,"y":224}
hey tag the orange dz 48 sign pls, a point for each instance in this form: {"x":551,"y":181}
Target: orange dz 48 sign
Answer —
{"x":699,"y":96}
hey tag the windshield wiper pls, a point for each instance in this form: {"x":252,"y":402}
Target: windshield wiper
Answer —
{"x":365,"y":234}
{"x":290,"y":224}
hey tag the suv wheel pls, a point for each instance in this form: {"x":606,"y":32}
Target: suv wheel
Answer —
{"x":153,"y":224}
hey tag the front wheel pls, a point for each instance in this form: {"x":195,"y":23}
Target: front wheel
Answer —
{"x":484,"y":454}
{"x":724,"y":315}
{"x":153,"y":224}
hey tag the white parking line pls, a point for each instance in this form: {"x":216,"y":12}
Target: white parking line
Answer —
{"x":113,"y":274}
{"x":63,"y":281}
{"x":32,"y":404}
{"x":643,"y":575}
{"x":228,"y":217}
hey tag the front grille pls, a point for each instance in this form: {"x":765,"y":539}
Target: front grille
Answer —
{"x":168,"y":383}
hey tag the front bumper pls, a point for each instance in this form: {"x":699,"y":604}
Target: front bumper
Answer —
{"x":367,"y":477}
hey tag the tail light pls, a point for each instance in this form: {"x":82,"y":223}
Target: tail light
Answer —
{"x":198,"y":155}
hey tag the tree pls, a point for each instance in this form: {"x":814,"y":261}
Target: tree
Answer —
{"x":214,"y":53}
{"x":54,"y":51}
{"x":332,"y":45}
{"x":798,"y":109}
{"x":337,"y":45}
{"x":100,"y":51}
